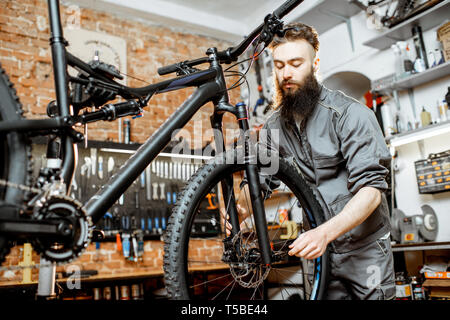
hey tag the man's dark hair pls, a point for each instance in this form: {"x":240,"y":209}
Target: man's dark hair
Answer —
{"x":297,"y":31}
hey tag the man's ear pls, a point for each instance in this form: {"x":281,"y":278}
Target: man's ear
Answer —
{"x":316,"y":64}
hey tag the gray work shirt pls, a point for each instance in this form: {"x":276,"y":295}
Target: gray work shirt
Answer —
{"x":340,"y":149}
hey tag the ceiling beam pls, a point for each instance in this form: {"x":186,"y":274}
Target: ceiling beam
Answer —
{"x":170,"y":15}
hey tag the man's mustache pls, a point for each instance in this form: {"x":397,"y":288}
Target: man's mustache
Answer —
{"x":285,"y":82}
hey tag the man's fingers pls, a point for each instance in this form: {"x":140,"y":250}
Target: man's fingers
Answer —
{"x":297,"y":241}
{"x":314,"y":254}
{"x":307,"y":251}
{"x":297,"y":248}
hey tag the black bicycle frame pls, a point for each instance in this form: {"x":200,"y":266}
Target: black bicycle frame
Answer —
{"x":211,"y":87}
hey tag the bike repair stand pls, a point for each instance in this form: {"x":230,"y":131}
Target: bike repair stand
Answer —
{"x":47,"y":274}
{"x":46,"y":285}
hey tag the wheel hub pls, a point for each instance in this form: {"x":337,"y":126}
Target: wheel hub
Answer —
{"x":243,"y":255}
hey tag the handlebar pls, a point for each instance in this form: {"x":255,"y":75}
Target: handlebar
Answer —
{"x":286,"y":7}
{"x":232,"y":54}
{"x":177,"y":66}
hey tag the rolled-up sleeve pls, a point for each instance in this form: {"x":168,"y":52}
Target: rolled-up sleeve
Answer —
{"x":364,"y":149}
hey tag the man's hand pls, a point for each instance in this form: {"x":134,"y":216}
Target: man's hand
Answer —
{"x":309,"y":245}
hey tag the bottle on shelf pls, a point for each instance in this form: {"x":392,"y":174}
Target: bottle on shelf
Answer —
{"x":421,"y":55}
{"x":443,"y":110}
{"x":425,"y":117}
{"x":402,"y":287}
{"x":403,"y":63}
{"x":447,"y":96}
{"x":417,"y":289}
{"x":438,"y":56}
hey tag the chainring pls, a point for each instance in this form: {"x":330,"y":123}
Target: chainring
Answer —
{"x":63,"y":207}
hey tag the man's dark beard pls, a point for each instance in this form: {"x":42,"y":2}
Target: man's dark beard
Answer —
{"x":302,"y":101}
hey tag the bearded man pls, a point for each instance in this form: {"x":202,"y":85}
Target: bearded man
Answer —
{"x":342,"y":154}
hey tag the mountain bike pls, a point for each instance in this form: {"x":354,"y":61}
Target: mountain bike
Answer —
{"x":252,"y":260}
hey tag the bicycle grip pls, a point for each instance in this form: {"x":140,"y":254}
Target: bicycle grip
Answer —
{"x":286,"y":7}
{"x":168,"y":69}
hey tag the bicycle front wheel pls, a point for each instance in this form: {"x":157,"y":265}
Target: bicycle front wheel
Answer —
{"x":15,"y":154}
{"x":197,"y":261}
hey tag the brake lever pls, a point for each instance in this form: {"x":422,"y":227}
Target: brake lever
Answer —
{"x":272,"y":26}
{"x":184,"y":69}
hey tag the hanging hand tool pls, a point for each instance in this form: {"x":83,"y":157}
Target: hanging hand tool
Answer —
{"x":179,"y":171}
{"x":156,"y":229}
{"x":125,"y":223}
{"x":155,"y":191}
{"x":168,"y":197}
{"x":100,"y":167}
{"x":142,"y":180}
{"x":149,"y":228}
{"x":85,"y":172}
{"x":94,"y":160}
{"x":126,"y":236}
{"x":163,"y":195}
{"x":110,"y":166}
{"x":140,"y":241}
{"x":163,"y":219}
{"x":134,"y":248}
{"x":74,"y":187}
{"x":166,"y":170}
{"x":126,"y":244}
{"x":158,"y":169}
{"x":133,"y":223}
{"x":118,"y":242}
{"x":174,"y":197}
{"x":107,"y":224}
{"x":148,"y":183}
{"x":142,"y":218}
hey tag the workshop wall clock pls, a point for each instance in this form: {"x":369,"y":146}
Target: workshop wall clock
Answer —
{"x":110,"y":49}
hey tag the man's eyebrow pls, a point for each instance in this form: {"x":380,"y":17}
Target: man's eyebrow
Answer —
{"x":290,"y":60}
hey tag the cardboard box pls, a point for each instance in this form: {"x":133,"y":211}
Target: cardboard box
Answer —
{"x":438,"y":288}
{"x":443,"y":34}
{"x":437,"y":275}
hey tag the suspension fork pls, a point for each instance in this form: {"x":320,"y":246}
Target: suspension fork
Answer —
{"x":251,"y":170}
{"x":226,"y":184}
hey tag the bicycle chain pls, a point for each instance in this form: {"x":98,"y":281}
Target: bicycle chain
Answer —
{"x":39,"y":265}
{"x":21,"y":187}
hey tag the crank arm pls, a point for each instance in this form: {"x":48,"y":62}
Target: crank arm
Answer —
{"x":23,"y":228}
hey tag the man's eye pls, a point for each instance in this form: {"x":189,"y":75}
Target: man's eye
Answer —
{"x":279,"y":65}
{"x":296,"y":64}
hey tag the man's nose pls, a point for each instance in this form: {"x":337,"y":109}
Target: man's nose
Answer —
{"x":287,"y":73}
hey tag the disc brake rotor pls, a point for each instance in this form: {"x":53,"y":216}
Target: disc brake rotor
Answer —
{"x":248,"y":271}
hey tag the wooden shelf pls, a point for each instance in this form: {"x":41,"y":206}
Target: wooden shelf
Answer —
{"x":419,"y":134}
{"x":428,"y":19}
{"x":327,"y":14}
{"x":420,"y":246}
{"x":157,"y":273}
{"x":418,"y":79}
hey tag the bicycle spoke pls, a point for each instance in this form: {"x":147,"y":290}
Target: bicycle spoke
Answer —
{"x":243,"y":275}
{"x":295,"y":284}
{"x":234,"y":281}
{"x":209,"y":281}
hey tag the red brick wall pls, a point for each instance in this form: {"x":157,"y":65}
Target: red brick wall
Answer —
{"x":108,"y":261}
{"x":25,"y":55}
